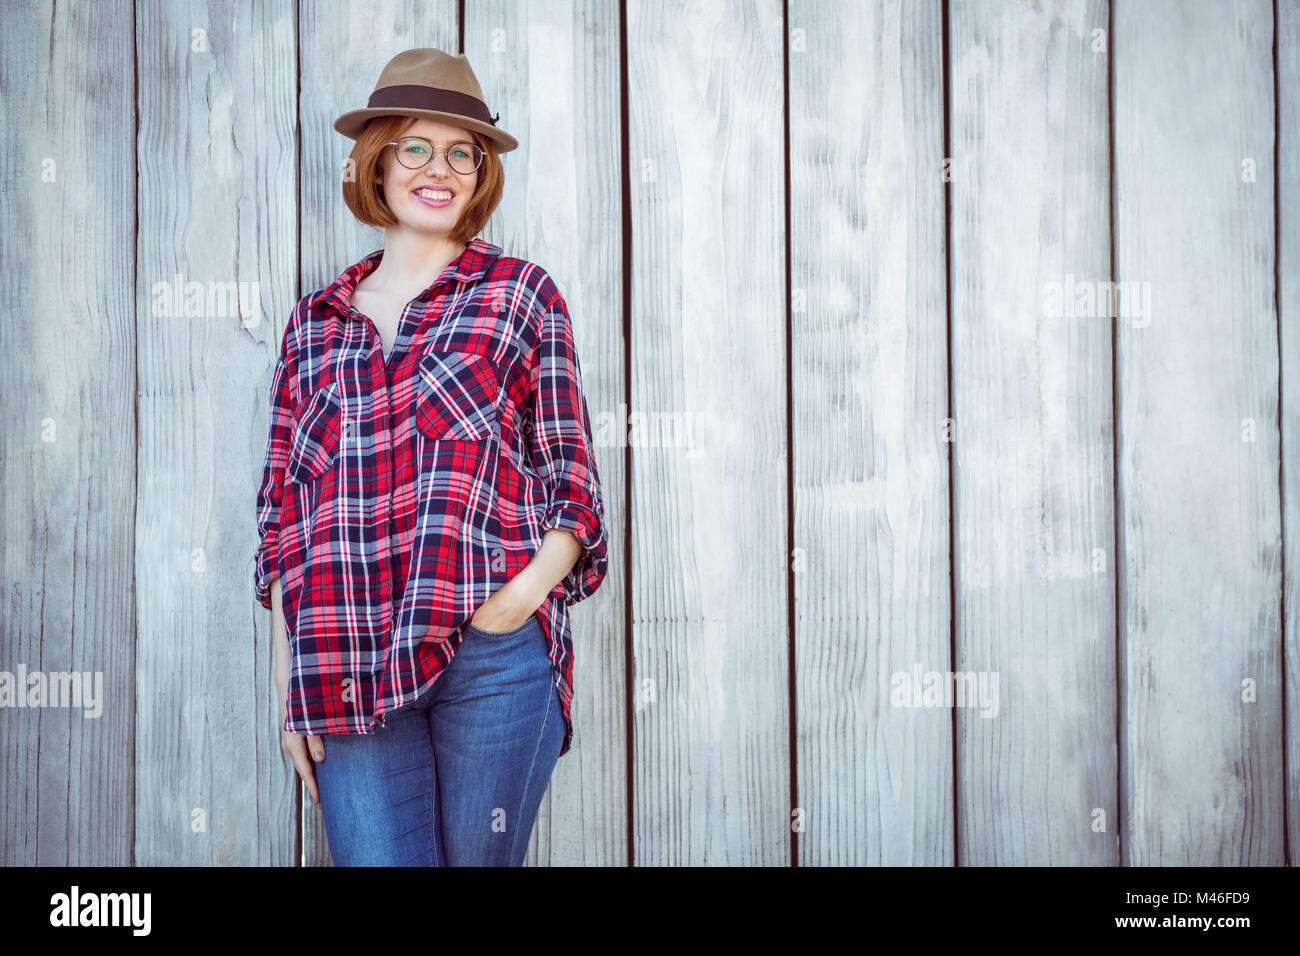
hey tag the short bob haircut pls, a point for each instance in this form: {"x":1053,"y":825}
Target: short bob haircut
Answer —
{"x":364,"y":190}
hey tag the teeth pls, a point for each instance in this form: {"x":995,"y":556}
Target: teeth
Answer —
{"x":434,"y":193}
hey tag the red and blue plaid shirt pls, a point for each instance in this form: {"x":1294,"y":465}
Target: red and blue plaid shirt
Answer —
{"x":399,"y":494}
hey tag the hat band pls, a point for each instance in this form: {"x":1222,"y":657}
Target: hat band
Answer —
{"x":411,"y":96}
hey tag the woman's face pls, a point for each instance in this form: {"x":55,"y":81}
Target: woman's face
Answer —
{"x":419,"y":197}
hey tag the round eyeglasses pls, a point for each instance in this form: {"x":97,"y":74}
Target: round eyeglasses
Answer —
{"x":414,"y":152}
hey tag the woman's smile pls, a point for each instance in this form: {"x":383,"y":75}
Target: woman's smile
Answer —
{"x":435,"y":196}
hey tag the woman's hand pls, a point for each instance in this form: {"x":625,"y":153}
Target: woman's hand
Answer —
{"x":294,"y":744}
{"x":510,"y":605}
{"x":516,"y":600}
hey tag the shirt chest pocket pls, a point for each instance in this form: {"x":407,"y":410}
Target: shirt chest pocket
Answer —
{"x":316,"y":437}
{"x":456,"y":396}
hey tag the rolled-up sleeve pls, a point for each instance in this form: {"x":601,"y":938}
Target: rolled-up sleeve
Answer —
{"x":266,"y":559}
{"x":564,"y":453}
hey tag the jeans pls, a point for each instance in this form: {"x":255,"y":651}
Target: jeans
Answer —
{"x":457,"y":775}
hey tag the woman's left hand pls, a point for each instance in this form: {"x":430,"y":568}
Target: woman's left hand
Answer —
{"x":508,"y":607}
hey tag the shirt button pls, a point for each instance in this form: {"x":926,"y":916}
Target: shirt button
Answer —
{"x":347,"y":428}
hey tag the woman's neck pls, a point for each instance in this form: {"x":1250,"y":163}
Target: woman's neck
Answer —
{"x":412,"y":261}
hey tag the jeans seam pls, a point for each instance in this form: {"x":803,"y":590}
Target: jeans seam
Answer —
{"x":532,"y":768}
{"x":435,"y":811}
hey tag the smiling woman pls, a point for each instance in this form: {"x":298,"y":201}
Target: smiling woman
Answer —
{"x":382,"y":185}
{"x":430,"y":500}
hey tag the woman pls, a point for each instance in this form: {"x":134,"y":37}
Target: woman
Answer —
{"x":430,"y":503}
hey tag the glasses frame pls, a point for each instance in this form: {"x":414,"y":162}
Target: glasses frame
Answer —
{"x":433,"y":151}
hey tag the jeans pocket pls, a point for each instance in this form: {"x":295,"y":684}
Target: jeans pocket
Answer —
{"x":527,"y":625}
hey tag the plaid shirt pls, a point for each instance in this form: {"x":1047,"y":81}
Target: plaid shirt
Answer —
{"x":398,"y":494}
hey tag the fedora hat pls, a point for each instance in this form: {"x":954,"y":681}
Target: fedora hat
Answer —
{"x":429,"y":84}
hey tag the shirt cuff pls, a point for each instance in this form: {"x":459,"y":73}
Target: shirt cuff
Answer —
{"x":590,"y":568}
{"x":266,"y":566}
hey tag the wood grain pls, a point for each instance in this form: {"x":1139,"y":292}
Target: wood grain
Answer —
{"x":869,"y":354}
{"x":709,"y":501}
{"x":1201,"y":534}
{"x":1033,"y":501}
{"x":68,"y":435}
{"x":216,"y":207}
{"x":1287,"y":85}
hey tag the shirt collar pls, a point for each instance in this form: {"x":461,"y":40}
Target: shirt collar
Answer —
{"x":469,"y":266}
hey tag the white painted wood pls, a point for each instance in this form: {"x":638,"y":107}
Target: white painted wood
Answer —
{"x":1287,"y":85}
{"x":216,"y":205}
{"x":710,"y":613}
{"x":869,"y":340}
{"x":67,"y":437}
{"x":1032,"y":458}
{"x":552,"y":70}
{"x":1198,"y":467}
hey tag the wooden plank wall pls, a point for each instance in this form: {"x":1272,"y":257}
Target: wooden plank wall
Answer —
{"x":1286,"y":83}
{"x":868,"y":357}
{"x":67,"y":435}
{"x":1033,"y":521}
{"x":708,"y":581}
{"x":872,"y":447}
{"x":1198,"y":467}
{"x":216,"y":179}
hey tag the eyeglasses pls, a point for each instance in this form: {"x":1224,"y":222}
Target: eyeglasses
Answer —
{"x":414,"y":152}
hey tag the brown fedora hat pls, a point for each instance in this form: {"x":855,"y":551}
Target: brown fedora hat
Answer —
{"x":429,"y":84}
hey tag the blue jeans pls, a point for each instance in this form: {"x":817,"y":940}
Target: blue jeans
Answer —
{"x":457,"y":775}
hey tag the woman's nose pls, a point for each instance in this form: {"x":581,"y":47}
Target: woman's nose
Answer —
{"x":439,"y":156}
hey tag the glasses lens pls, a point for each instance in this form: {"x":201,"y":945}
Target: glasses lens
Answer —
{"x":464,"y":157}
{"x":413,"y":152}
